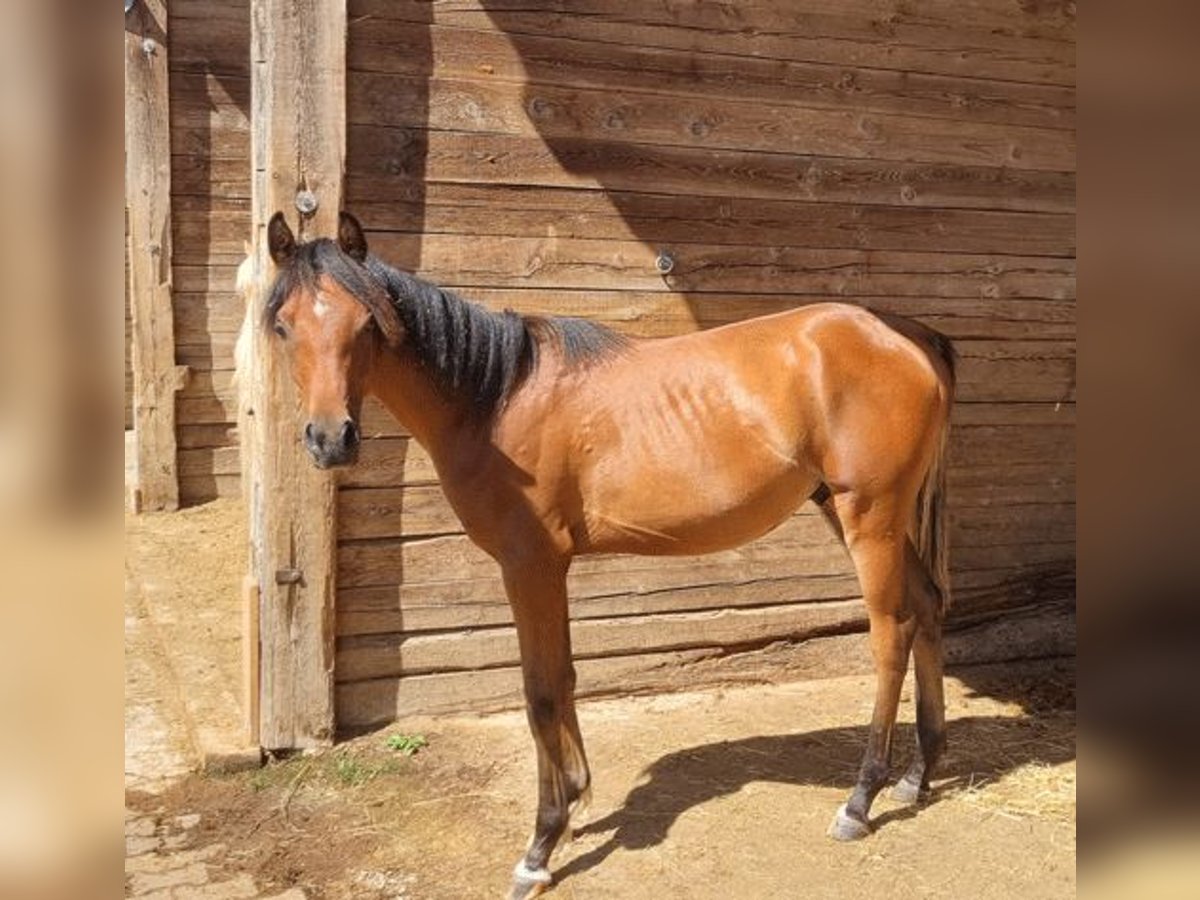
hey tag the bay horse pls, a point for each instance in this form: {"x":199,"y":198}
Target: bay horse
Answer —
{"x":555,"y":437}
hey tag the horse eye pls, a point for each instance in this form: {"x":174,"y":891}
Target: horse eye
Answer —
{"x":279,"y":330}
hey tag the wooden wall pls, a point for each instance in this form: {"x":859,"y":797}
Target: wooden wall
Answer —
{"x":210,"y":214}
{"x":922,"y":163}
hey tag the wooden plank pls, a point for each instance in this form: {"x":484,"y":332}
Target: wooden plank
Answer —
{"x":660,"y":314}
{"x":212,"y":36}
{"x":362,"y":703}
{"x":298,"y":119}
{"x":195,"y":437}
{"x":200,"y":316}
{"x":553,"y":113}
{"x":1034,"y":632}
{"x":377,"y":655}
{"x":251,"y":662}
{"x":454,"y":52}
{"x":211,"y":383}
{"x":481,"y":602}
{"x":1026,"y":47}
{"x":156,"y":377}
{"x":195,"y":489}
{"x":505,"y":210}
{"x":390,"y":655}
{"x":590,"y":264}
{"x":1052,"y":19}
{"x":397,"y":163}
{"x":211,"y":228}
{"x":198,"y":139}
{"x":205,"y":278}
{"x":203,"y":176}
{"x":384,"y":462}
{"x":210,"y":461}
{"x":208,"y":101}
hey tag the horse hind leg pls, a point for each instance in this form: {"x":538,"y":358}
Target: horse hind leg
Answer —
{"x":538,"y":597}
{"x":876,"y":537}
{"x":926,"y":600}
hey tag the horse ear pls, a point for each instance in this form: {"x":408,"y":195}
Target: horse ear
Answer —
{"x":280,"y":241}
{"x":351,"y":238}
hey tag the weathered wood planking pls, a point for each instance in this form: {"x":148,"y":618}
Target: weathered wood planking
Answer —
{"x":795,"y":271}
{"x":652,"y":629}
{"x":148,"y":254}
{"x":212,"y":36}
{"x":396,"y":162}
{"x":396,"y":46}
{"x":1039,"y":630}
{"x":1035,"y":44}
{"x":554,"y":112}
{"x":210,"y":198}
{"x":458,"y":605}
{"x":498,"y":210}
{"x":379,"y":656}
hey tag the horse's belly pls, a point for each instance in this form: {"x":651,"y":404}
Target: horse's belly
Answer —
{"x":672,"y":515}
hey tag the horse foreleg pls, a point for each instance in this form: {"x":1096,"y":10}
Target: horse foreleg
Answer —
{"x":538,"y":595}
{"x":878,"y":550}
{"x":927,"y":662}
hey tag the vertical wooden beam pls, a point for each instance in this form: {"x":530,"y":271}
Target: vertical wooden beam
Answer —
{"x":298,"y":121}
{"x":156,"y":378}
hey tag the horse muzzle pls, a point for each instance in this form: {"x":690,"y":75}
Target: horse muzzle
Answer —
{"x":332,"y":444}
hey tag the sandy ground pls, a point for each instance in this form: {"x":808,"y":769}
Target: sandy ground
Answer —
{"x":709,"y":794}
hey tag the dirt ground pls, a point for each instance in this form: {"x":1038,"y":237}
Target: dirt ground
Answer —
{"x":183,"y":643}
{"x":708,"y":794}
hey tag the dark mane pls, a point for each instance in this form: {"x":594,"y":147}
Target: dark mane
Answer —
{"x":474,"y":351}
{"x":470,"y":350}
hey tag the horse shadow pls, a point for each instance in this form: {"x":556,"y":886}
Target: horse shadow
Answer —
{"x":981,"y":749}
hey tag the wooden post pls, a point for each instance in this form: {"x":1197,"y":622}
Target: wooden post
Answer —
{"x":298,"y":120}
{"x":156,"y":378}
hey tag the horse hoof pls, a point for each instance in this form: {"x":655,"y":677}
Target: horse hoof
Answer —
{"x":908,"y":792}
{"x":528,"y":882}
{"x":847,"y":828}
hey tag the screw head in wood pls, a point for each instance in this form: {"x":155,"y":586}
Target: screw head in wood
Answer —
{"x":306,"y":202}
{"x":665,"y":262}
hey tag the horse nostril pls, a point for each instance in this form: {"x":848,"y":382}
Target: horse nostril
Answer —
{"x":350,"y":434}
{"x":310,"y":435}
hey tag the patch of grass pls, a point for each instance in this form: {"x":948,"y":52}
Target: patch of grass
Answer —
{"x":408,"y":744}
{"x":352,"y":772}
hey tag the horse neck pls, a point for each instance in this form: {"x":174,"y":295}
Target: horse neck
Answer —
{"x":409,"y":393}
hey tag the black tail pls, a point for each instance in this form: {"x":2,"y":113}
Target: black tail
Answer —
{"x":930,"y":533}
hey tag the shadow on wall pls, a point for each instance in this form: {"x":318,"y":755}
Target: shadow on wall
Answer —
{"x":767,"y":203}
